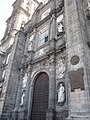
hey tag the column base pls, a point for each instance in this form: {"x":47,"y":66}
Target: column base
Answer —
{"x":50,"y":114}
{"x":5,"y":116}
{"x":22,"y":115}
{"x":14,"y":115}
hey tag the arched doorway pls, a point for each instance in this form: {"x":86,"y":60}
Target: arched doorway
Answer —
{"x":40,"y":97}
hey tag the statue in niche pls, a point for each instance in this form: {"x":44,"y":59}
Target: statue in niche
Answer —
{"x":60,"y":27}
{"x":30,"y":46}
{"x":61,"y":93}
{"x":22,"y":98}
{"x":60,"y":69}
{"x":88,"y":5}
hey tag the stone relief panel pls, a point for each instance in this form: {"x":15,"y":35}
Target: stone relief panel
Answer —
{"x":60,"y":68}
{"x":77,"y":79}
{"x":40,"y":66}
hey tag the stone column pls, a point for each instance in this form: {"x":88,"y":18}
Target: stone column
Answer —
{"x":26,"y":101}
{"x":77,"y":58}
{"x":30,"y":102}
{"x":53,"y":33}
{"x":26,"y":46}
{"x":18,"y":98}
{"x":30,"y":53}
{"x":52,"y":84}
{"x":30,"y":86}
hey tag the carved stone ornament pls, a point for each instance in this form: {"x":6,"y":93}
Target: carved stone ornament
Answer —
{"x":60,"y":69}
{"x":22,"y":98}
{"x":75,"y":60}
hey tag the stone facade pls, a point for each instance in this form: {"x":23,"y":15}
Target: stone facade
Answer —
{"x":50,"y":51}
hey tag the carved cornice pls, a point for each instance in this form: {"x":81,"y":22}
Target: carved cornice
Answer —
{"x":36,"y":25}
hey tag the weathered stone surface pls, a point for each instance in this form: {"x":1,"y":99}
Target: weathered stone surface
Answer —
{"x":76,"y":79}
{"x":63,"y":57}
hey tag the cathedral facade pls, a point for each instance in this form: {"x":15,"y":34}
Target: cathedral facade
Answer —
{"x":45,"y":61}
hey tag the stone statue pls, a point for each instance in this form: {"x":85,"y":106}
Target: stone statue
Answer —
{"x":25,"y":80}
{"x":22,"y":99}
{"x":60,"y":27}
{"x":30,"y":46}
{"x":61,"y":93}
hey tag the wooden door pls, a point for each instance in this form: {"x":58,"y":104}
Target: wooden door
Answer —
{"x":40,"y":97}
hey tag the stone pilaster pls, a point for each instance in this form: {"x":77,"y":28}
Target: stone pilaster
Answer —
{"x":53,"y":33}
{"x":78,"y":94}
{"x":13,"y":73}
{"x":30,"y":52}
{"x":26,"y":101}
{"x":52,"y":84}
{"x":19,"y":93}
{"x":30,"y":100}
{"x":18,"y":99}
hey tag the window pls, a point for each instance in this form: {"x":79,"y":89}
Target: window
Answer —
{"x":43,"y":36}
{"x":45,"y":14}
{"x":60,"y":27}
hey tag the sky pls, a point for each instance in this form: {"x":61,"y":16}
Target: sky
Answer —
{"x":5,"y":12}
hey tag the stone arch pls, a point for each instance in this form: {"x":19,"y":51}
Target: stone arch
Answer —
{"x":37,"y":73}
{"x":40,"y":96}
